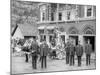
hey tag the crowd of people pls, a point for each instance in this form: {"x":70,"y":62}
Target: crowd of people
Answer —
{"x":42,"y":51}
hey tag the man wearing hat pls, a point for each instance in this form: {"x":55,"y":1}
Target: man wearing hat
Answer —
{"x":43,"y":54}
{"x":79,"y":52}
{"x":72,"y":53}
{"x":34,"y":48}
{"x":67,"y":49}
{"x":88,"y":50}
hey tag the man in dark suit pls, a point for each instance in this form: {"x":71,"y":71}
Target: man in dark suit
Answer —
{"x":67,"y":49}
{"x":26,"y":49}
{"x":88,"y":50}
{"x":34,"y":48}
{"x":72,"y":53}
{"x":43,"y":53}
{"x":79,"y":53}
{"x":26,"y":53}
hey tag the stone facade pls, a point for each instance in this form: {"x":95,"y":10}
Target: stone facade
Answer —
{"x":79,"y":27}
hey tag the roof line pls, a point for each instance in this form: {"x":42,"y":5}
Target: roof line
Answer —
{"x":14,"y":30}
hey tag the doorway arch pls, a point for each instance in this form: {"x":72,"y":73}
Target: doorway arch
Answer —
{"x":89,"y":34}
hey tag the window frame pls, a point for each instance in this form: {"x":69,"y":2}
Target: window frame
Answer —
{"x":86,"y":8}
{"x":69,"y":15}
{"x":60,"y":16}
{"x":89,"y":12}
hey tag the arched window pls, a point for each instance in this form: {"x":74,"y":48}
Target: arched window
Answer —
{"x":73,"y":30}
{"x":88,"y":30}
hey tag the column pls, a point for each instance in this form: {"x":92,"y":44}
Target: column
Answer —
{"x":57,"y":12}
{"x":81,"y":39}
{"x":92,"y":11}
{"x":47,"y":38}
{"x":66,"y":37}
{"x":38,"y":37}
{"x":85,"y":11}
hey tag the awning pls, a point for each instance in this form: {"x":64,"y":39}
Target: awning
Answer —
{"x":42,"y":27}
{"x":47,"y":27}
{"x":50,"y":27}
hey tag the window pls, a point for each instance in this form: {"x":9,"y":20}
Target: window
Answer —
{"x":50,"y":38}
{"x":60,"y":16}
{"x":68,"y":15}
{"x":41,"y":31}
{"x":43,"y":16}
{"x":43,"y":12}
{"x":52,"y":16}
{"x":51,"y":31}
{"x":48,"y":10}
{"x":89,"y":11}
{"x":42,"y":38}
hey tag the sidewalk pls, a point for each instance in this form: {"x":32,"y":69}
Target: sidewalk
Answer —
{"x":20,"y":66}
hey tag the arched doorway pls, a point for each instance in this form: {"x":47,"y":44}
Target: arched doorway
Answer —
{"x":89,"y":34}
{"x":73,"y":35}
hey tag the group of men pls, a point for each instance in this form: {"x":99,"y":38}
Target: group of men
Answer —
{"x":37,"y":51}
{"x":42,"y":50}
{"x":72,"y":50}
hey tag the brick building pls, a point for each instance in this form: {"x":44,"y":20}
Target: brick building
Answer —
{"x":63,"y":21}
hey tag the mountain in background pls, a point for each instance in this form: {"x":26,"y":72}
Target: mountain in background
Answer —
{"x":23,"y":12}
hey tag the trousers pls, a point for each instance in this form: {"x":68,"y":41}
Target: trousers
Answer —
{"x":88,"y":59}
{"x":79,"y":60}
{"x":67,"y":58}
{"x":34,"y":62}
{"x":71,"y":60}
{"x":26,"y":55}
{"x":43,"y":62}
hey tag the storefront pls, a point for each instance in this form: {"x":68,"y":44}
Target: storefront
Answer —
{"x":51,"y":34}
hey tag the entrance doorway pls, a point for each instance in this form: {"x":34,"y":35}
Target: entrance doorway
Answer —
{"x":51,"y":38}
{"x":92,"y":41}
{"x":42,"y":38}
{"x":74,"y":39}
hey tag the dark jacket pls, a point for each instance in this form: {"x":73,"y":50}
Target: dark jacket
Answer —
{"x":88,"y":48}
{"x":34,"y":49}
{"x":79,"y":50}
{"x":67,"y":48}
{"x":44,"y":50}
{"x":72,"y":49}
